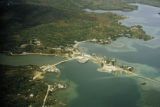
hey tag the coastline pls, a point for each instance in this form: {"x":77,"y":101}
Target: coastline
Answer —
{"x":67,"y":56}
{"x":27,"y":53}
{"x":80,"y":57}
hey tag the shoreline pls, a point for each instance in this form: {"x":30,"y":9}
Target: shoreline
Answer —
{"x":80,"y":57}
{"x":106,"y":66}
{"x":28,"y":53}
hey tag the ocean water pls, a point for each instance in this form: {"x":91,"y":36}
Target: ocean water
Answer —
{"x":29,"y":59}
{"x":96,"y":89}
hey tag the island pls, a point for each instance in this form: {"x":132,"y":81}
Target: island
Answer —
{"x":57,"y":28}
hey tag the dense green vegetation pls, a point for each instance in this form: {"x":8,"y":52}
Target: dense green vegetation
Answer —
{"x":17,"y":85}
{"x":86,"y":26}
{"x":106,"y":5}
{"x":57,"y":23}
{"x":19,"y":89}
{"x":92,"y":4}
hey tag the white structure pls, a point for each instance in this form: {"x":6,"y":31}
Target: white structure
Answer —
{"x":49,"y":68}
{"x":60,"y":86}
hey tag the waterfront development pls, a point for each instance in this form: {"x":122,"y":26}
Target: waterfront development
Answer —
{"x":93,"y":72}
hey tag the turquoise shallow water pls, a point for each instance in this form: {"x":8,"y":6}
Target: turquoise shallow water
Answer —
{"x":28,"y":59}
{"x":130,"y":52}
{"x":97,"y":89}
{"x":144,"y":56}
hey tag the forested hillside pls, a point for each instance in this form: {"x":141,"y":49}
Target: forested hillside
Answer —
{"x":56,"y":22}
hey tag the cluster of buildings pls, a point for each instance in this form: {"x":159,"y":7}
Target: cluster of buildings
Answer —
{"x":128,"y":68}
{"x":33,"y":42}
{"x":101,"y":41}
{"x":82,"y":58}
{"x":112,"y":62}
{"x":57,"y":86}
{"x":108,"y":61}
{"x":49,"y":68}
{"x":67,"y":51}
